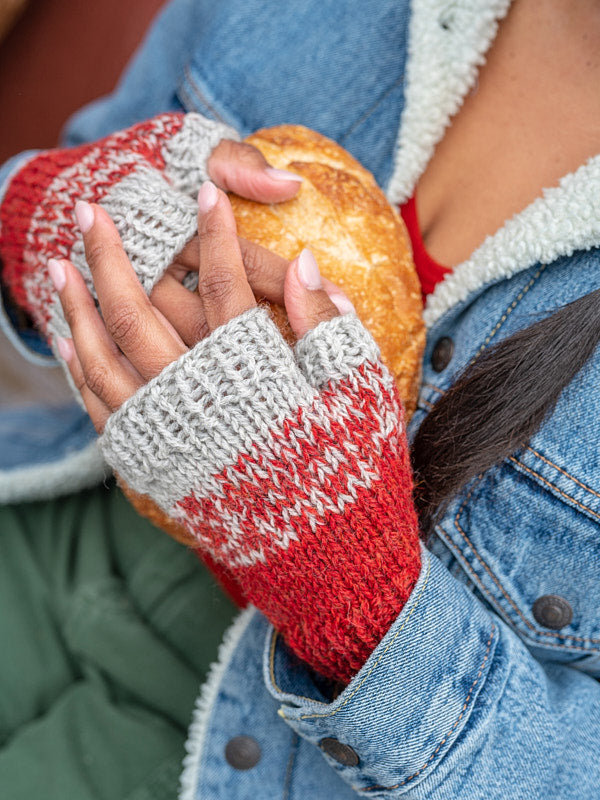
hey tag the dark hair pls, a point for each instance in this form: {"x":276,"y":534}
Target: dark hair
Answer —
{"x":499,"y":401}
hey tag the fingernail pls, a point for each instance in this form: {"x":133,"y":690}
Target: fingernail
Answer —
{"x":342,"y":303}
{"x":308,"y":271}
{"x":282,"y":175}
{"x":207,"y":196}
{"x":65,"y":348}
{"x":84,"y":214}
{"x":57,"y":274}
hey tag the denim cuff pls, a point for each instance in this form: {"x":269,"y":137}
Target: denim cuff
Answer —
{"x":410,"y":702}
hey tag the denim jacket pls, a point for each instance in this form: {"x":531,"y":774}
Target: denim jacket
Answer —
{"x":486,"y":686}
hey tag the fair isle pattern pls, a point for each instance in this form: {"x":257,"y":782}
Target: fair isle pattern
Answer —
{"x":37,"y":214}
{"x":225,"y":397}
{"x":142,"y":176}
{"x":300,"y":491}
{"x":313,"y":468}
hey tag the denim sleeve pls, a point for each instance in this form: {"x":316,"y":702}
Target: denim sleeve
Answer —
{"x":451,"y":704}
{"x":27,"y":341}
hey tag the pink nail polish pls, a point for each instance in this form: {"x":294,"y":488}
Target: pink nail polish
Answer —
{"x":57,"y":274}
{"x":342,"y":303}
{"x":84,"y":214}
{"x":65,"y":348}
{"x":207,"y":196}
{"x":282,"y":175}
{"x":308,"y":271}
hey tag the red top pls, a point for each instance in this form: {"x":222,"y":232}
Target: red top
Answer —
{"x":429,"y":271}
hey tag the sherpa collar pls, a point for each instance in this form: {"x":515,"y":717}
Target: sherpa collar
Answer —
{"x":447,"y":44}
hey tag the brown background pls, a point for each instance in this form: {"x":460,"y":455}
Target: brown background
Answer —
{"x":58,"y":55}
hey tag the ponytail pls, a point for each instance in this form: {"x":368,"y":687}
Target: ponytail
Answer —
{"x":498,"y":403}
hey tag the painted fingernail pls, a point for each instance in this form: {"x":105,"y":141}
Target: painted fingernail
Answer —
{"x":84,"y":214}
{"x":342,"y":303}
{"x":207,"y":196}
{"x":282,"y":175}
{"x":308,"y":271}
{"x":57,"y":274}
{"x":65,"y":348}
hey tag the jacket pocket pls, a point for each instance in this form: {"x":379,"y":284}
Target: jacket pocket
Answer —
{"x":527,"y":534}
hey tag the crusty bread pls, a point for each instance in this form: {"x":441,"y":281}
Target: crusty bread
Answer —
{"x":358,"y":239}
{"x":360,"y":244}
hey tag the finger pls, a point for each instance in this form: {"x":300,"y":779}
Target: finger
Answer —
{"x":222,"y":283}
{"x":99,"y":412}
{"x":306,"y":300}
{"x":105,"y":372}
{"x":265,"y":270}
{"x":241,"y":168}
{"x":182,"y":308}
{"x":148,"y":344}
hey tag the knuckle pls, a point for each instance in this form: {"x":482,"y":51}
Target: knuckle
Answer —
{"x":97,"y":378}
{"x":217,"y":285}
{"x":70,"y":308}
{"x":125,"y":323}
{"x":101,"y":252}
{"x":199,"y":330}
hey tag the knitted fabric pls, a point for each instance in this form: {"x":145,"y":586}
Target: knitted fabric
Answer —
{"x":142,"y":176}
{"x":291,"y":469}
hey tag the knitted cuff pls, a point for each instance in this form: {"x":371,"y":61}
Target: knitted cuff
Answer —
{"x":186,"y":153}
{"x":289,"y":468}
{"x":142,"y":177}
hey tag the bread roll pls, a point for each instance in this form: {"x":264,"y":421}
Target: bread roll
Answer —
{"x":360,"y":244}
{"x":358,"y":239}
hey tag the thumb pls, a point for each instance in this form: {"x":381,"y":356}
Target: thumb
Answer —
{"x":309,"y":298}
{"x":240,"y":168}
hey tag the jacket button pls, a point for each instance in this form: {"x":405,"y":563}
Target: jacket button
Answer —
{"x":552,"y":611}
{"x":242,"y":752}
{"x":342,"y":753}
{"x":442,"y":353}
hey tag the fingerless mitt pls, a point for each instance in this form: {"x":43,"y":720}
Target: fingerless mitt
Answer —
{"x":145,"y":177}
{"x":291,"y":469}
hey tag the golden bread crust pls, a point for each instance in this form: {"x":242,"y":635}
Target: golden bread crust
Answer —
{"x":358,"y":239}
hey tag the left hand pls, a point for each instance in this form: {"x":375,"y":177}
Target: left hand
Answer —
{"x":112,"y":356}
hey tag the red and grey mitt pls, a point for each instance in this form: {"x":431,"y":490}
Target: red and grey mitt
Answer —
{"x":146,"y":177}
{"x":291,"y":469}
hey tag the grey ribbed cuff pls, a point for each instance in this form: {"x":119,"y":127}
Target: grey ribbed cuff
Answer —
{"x":223,"y":398}
{"x":220,"y":399}
{"x":187,"y":152}
{"x":154,"y":220}
{"x":332,"y":350}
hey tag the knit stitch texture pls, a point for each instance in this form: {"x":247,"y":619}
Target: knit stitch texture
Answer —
{"x":142,"y":176}
{"x":291,"y":469}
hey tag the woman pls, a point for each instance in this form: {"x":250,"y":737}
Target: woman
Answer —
{"x":483,"y":683}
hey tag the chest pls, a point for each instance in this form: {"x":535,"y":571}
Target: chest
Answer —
{"x":532,"y":117}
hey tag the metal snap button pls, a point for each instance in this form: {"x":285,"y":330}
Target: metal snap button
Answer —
{"x":242,"y":752}
{"x":342,"y":753}
{"x":442,"y":353}
{"x":552,"y":611}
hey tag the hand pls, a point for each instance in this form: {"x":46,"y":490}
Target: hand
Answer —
{"x":241,"y":168}
{"x":146,"y":177}
{"x":110,"y":360}
{"x":289,"y":469}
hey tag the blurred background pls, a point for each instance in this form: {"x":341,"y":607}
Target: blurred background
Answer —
{"x":55,"y":56}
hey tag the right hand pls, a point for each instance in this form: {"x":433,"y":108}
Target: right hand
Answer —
{"x":240,"y":168}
